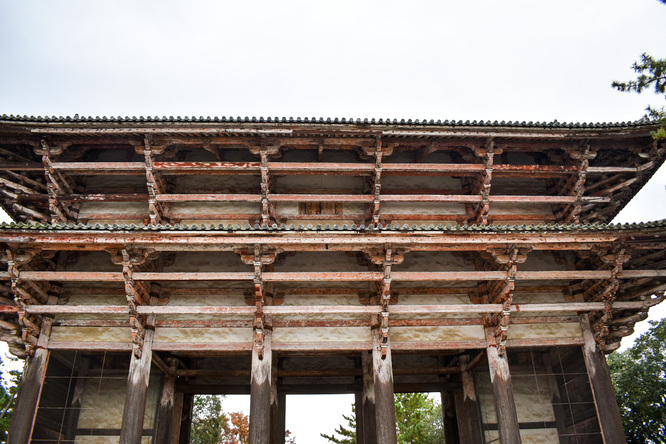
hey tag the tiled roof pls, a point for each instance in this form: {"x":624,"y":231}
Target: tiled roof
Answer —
{"x":318,"y":120}
{"x":319,"y":227}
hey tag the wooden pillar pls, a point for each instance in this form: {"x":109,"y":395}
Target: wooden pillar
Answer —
{"x":165,"y":412}
{"x":467,"y":408}
{"x":137,"y":389}
{"x":505,"y":405}
{"x":30,"y":390}
{"x":605,"y":402}
{"x":368,"y":402}
{"x":260,"y":392}
{"x":451,"y":435}
{"x":384,"y":402}
{"x":185,"y":420}
{"x":278,"y":412}
{"x":358,"y":412}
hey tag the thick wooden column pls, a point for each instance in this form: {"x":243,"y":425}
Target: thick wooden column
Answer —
{"x":260,"y":392}
{"x":605,"y":402}
{"x":505,"y":405}
{"x":451,"y":435}
{"x":367,"y":407}
{"x":137,"y":389}
{"x":278,"y":412}
{"x":467,"y":408}
{"x":30,"y":390}
{"x":358,"y":412}
{"x":186,"y":407}
{"x":165,"y":412}
{"x":382,"y":370}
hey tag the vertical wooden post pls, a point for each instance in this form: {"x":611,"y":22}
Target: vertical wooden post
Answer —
{"x":137,"y":389}
{"x":277,"y":407}
{"x":260,"y":392}
{"x":605,"y":402}
{"x":368,"y":403}
{"x":186,"y":419}
{"x":384,"y":402}
{"x":165,"y":413}
{"x":505,"y":405}
{"x":451,"y":435}
{"x":467,"y":408}
{"x":30,"y":391}
{"x":179,"y":401}
{"x":358,"y":411}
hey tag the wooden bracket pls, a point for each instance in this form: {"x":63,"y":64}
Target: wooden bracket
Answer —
{"x":478,"y":214}
{"x":501,"y":292}
{"x":136,"y":293}
{"x":154,"y":184}
{"x":56,"y":185}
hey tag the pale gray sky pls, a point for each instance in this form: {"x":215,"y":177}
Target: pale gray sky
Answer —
{"x":466,"y":60}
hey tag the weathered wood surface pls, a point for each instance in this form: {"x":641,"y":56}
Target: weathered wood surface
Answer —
{"x":608,"y":413}
{"x":505,"y":405}
{"x":137,"y":391}
{"x":260,"y":394}
{"x":30,"y":390}
{"x":382,"y":369}
{"x":467,"y":407}
{"x":165,"y":412}
{"x":363,"y":276}
{"x":334,"y":309}
{"x":367,"y":407}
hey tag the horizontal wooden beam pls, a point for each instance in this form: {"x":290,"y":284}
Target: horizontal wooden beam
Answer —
{"x":323,"y":276}
{"x":331,"y":309}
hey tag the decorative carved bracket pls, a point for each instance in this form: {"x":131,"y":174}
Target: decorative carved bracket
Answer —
{"x":258,"y":258}
{"x":136,"y":293}
{"x":501,"y":292}
{"x":25,"y":293}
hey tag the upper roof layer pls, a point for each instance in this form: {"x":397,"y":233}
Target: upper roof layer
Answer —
{"x":318,"y":120}
{"x":659,"y":224}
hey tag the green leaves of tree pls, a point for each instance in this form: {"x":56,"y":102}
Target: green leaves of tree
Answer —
{"x":639,"y":377}
{"x":418,"y":420}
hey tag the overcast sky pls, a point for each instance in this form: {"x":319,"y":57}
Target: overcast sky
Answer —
{"x":465,"y":60}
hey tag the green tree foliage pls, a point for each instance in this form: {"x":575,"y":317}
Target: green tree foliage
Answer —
{"x":639,"y":377}
{"x":211,"y":425}
{"x":651,"y":75}
{"x":208,"y":421}
{"x":418,"y":421}
{"x":347,"y":434}
{"x":9,"y":381}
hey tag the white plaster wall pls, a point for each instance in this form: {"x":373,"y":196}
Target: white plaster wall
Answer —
{"x":203,"y":335}
{"x":91,"y":334}
{"x":436,"y":334}
{"x":286,"y":335}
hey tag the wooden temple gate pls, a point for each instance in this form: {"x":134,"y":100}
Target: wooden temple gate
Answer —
{"x":156,"y":259}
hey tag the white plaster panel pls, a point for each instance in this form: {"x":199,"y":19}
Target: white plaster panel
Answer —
{"x":132,"y":208}
{"x":103,"y":403}
{"x":322,"y":334}
{"x":429,"y":334}
{"x":207,"y":335}
{"x":91,"y":334}
{"x":561,"y":330}
{"x":422,"y":208}
{"x":185,"y":208}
